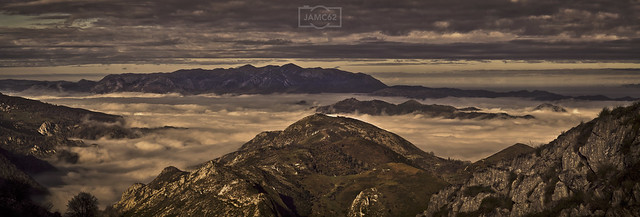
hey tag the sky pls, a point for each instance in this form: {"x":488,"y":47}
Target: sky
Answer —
{"x":47,"y":33}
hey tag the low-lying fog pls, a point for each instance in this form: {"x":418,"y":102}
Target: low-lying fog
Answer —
{"x":220,"y":124}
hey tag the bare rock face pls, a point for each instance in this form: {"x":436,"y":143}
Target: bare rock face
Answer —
{"x":592,"y":170}
{"x":368,"y":203}
{"x":48,"y":129}
{"x":211,"y":190}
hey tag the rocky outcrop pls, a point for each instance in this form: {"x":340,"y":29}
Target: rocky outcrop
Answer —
{"x":368,"y":203}
{"x":49,"y":129}
{"x":211,"y":190}
{"x":318,"y":166}
{"x":591,"y":170}
{"x":378,"y":107}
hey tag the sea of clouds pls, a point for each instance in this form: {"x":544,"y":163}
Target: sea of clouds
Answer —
{"x":213,"y":125}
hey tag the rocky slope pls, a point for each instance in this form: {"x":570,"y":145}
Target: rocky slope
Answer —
{"x":378,"y":107}
{"x":318,"y":166}
{"x":30,"y":127}
{"x":32,"y":132}
{"x":508,"y":153}
{"x":591,"y":170}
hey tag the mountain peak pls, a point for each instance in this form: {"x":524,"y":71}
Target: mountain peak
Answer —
{"x":247,"y":66}
{"x":290,"y":66}
{"x":352,"y":99}
{"x":411,"y":103}
{"x":320,"y":130}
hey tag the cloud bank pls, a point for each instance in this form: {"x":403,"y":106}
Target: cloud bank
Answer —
{"x":219,"y":124}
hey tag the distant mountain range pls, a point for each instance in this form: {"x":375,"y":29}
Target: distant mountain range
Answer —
{"x":420,"y":92}
{"x":336,"y":166}
{"x":247,"y":79}
{"x":631,"y":85}
{"x":288,"y":78}
{"x":379,"y":107}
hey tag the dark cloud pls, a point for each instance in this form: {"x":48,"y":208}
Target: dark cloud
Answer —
{"x":516,"y":49}
{"x":142,"y":31}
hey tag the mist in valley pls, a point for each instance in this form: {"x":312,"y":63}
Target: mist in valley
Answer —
{"x":209,"y":126}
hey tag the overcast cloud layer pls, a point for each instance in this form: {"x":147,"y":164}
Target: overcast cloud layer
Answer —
{"x":68,"y":32}
{"x":220,"y":124}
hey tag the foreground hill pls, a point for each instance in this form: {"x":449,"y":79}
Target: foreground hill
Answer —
{"x":318,"y":166}
{"x":378,"y":107}
{"x":591,"y":170}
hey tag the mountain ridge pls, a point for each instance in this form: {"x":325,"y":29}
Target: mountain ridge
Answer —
{"x":379,"y":107}
{"x":288,"y":78}
{"x":421,"y":92}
